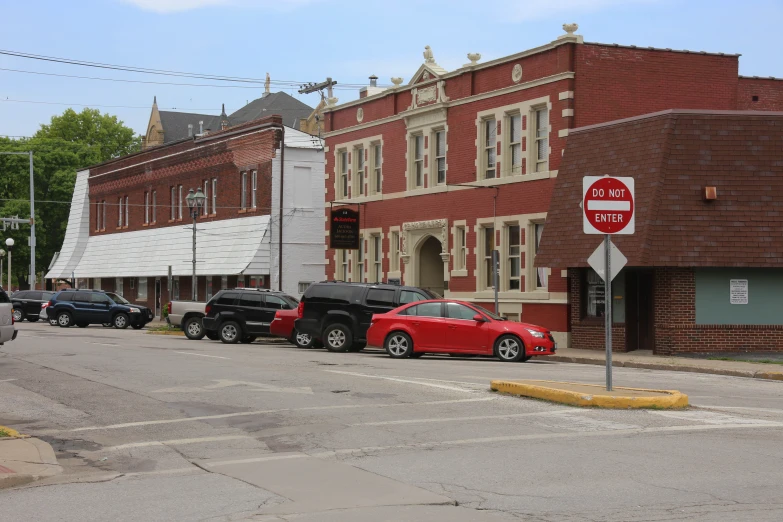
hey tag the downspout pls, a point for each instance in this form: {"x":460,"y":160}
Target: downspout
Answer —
{"x":280,"y":224}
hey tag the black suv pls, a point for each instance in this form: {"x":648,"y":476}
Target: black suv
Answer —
{"x":27,"y":304}
{"x":243,"y":314}
{"x":339,"y":314}
{"x":86,"y":307}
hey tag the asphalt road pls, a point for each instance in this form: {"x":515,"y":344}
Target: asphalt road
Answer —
{"x":162,"y":428}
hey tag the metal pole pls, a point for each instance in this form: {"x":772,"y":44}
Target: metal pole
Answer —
{"x":32,"y":225}
{"x":194,"y":289}
{"x":9,"y":272}
{"x":608,"y":307}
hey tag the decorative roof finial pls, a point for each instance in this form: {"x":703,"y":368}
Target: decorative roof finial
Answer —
{"x":154,"y":100}
{"x":570,"y":28}
{"x":428,"y":56}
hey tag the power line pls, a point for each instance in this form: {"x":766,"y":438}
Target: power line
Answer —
{"x":146,"y":107}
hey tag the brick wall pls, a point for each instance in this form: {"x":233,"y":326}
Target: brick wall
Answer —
{"x":768,"y":93}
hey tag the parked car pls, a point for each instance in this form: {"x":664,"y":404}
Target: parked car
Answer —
{"x":187,"y":315}
{"x":244,"y":314}
{"x":27,"y":304}
{"x":456,"y":327}
{"x":338,"y":314}
{"x":283,"y":326}
{"x":8,"y":331}
{"x":86,"y":307}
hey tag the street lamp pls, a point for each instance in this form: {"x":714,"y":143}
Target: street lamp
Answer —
{"x":195,"y":202}
{"x":9,"y":244}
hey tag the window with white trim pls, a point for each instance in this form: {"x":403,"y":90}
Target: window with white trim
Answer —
{"x":214,"y":196}
{"x":103,"y":216}
{"x":303,"y":286}
{"x":440,"y":157}
{"x":255,"y":189}
{"x":119,"y":287}
{"x":377,"y":158}
{"x":146,"y":208}
{"x":541,"y":273}
{"x":206,"y":197}
{"x":514,"y":127}
{"x":127,"y":211}
{"x":460,"y":246}
{"x":243,"y":192}
{"x":488,"y":246}
{"x":489,"y":161}
{"x":540,"y":120}
{"x":394,"y":251}
{"x":173,"y":203}
{"x":119,"y":213}
{"x":513,"y":257}
{"x":358,"y":276}
{"x":154,"y":206}
{"x":141,"y":292}
{"x":342,"y":178}
{"x":417,"y":146}
{"x":97,"y":215}
{"x":342,"y":265}
{"x":358,"y":171}
{"x":181,"y":200}
{"x":377,"y":253}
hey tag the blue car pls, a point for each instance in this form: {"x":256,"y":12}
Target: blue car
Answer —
{"x":85,"y":307}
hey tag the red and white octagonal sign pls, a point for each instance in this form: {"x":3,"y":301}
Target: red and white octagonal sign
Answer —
{"x":608,"y":205}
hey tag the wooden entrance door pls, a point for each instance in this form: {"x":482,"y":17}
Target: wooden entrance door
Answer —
{"x":639,"y":310}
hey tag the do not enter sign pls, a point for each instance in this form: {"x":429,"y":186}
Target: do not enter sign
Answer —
{"x":608,"y":205}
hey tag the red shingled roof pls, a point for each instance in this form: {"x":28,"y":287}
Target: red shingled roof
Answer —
{"x":672,"y":156}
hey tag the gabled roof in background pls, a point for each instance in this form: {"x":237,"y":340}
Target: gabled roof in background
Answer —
{"x":175,"y":124}
{"x":672,"y":156}
{"x":291,"y":109}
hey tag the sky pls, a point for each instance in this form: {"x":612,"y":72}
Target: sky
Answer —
{"x":307,"y":40}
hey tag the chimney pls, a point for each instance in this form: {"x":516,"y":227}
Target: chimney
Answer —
{"x":201,"y":127}
{"x":190,"y":130}
{"x":372,"y":89}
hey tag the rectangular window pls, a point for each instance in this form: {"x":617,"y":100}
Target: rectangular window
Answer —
{"x":359,"y":275}
{"x":180,"y":202}
{"x":460,"y":260}
{"x":418,"y":160}
{"x":210,"y":292}
{"x":119,"y":213}
{"x":127,"y":211}
{"x":541,"y":272}
{"x":243,"y":192}
{"x":173,"y":203}
{"x":206,"y":197}
{"x":214,"y":196}
{"x":513,"y":257}
{"x":303,"y":286}
{"x":141,"y":292}
{"x":154,"y":206}
{"x":490,"y":148}
{"x":343,"y":169}
{"x":344,"y":265}
{"x":146,"y":208}
{"x":541,"y":150}
{"x":489,"y":246}
{"x":377,"y":252}
{"x":175,"y":288}
{"x":376,"y":169}
{"x":97,"y":215}
{"x":119,"y":287}
{"x":595,"y":298}
{"x":515,"y":143}
{"x":440,"y":156}
{"x":255,"y":189}
{"x":394,"y":251}
{"x":358,"y":171}
{"x":103,"y":217}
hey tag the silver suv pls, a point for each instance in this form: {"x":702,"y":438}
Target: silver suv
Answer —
{"x":7,"y":330}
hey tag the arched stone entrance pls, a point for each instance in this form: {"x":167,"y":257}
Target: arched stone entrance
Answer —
{"x":430,"y":267}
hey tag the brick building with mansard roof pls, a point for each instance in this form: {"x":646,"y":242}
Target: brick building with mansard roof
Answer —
{"x":453,"y":164}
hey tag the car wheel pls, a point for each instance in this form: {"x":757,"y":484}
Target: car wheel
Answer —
{"x":194,"y":330}
{"x":302,"y":340}
{"x":509,"y":349}
{"x":230,"y":332}
{"x":338,"y":338}
{"x":212,"y":336}
{"x":399,"y":345}
{"x":82,"y":325}
{"x":64,"y":320}
{"x":137,"y":326}
{"x":248,"y":339}
{"x":53,"y":322}
{"x":121,"y":321}
{"x":18,"y":316}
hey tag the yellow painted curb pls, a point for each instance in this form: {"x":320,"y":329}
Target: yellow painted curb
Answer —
{"x":549,"y":391}
{"x":775,"y":376}
{"x":165,"y":332}
{"x":12,"y":433}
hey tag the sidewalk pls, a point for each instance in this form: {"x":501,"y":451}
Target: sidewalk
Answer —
{"x":25,"y":460}
{"x":646,"y":360}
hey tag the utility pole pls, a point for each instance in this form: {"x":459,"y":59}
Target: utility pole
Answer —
{"x":319,"y":88}
{"x":32,"y":215}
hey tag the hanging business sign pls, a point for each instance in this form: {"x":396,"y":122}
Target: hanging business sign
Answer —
{"x":344,"y":231}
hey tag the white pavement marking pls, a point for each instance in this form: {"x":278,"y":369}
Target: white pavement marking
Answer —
{"x":254,"y":459}
{"x":540,"y":436}
{"x":202,"y":355}
{"x":7,"y":380}
{"x":460,"y":419}
{"x":260,"y":412}
{"x":710,"y":417}
{"x":225,"y":383}
{"x":102,"y":344}
{"x":405,"y":381}
{"x":177,"y":442}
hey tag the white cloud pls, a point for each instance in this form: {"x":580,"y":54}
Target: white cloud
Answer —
{"x":174,"y":6}
{"x":524,"y":10}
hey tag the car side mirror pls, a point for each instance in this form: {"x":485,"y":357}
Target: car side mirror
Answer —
{"x":479,"y":318}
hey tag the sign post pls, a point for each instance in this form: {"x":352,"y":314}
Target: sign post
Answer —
{"x":608,"y":209}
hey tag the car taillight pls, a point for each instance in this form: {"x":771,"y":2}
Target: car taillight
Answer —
{"x":168,"y":308}
{"x":50,"y":303}
{"x":300,"y":309}
{"x":206,"y":309}
{"x":277,"y":314}
{"x":44,"y":305}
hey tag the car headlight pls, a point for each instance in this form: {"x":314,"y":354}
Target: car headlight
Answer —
{"x":536,"y":333}
{"x":135,"y":310}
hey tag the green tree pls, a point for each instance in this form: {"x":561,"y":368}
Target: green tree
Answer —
{"x":70,"y":143}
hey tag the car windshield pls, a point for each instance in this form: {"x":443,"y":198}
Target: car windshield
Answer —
{"x":117,"y":298}
{"x":490,"y":314}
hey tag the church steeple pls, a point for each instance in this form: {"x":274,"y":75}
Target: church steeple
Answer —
{"x":224,"y":123}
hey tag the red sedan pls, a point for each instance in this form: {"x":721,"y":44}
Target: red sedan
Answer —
{"x":456,"y":327}
{"x":283,"y":326}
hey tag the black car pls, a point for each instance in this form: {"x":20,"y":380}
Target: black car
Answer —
{"x":27,"y":304}
{"x":86,"y":307}
{"x":339,"y":314}
{"x":244,"y":314}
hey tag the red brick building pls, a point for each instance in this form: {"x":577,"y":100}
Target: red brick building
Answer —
{"x":130,"y":222}
{"x":704,"y":266}
{"x":455,"y":164}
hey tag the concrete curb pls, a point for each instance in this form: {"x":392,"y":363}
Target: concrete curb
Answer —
{"x":24,"y":460}
{"x":164,"y":332}
{"x":549,"y":391}
{"x":758,"y":374}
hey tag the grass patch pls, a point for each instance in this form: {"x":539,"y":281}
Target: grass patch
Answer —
{"x":4,"y":433}
{"x":762,"y":361}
